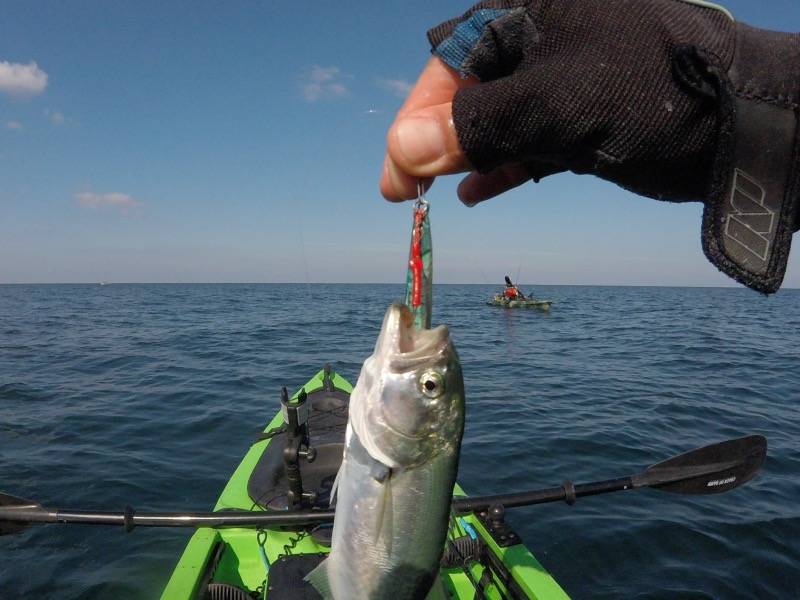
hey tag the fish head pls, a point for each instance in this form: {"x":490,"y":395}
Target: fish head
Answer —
{"x":409,"y":405}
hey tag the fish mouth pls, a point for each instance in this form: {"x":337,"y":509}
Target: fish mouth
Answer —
{"x":400,"y":414}
{"x":402,"y":342}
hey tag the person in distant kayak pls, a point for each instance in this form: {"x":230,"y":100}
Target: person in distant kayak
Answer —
{"x":512,"y":292}
{"x":670,"y":99}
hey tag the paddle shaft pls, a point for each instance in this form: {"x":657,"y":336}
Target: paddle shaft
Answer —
{"x":567,"y":492}
{"x":130,"y":519}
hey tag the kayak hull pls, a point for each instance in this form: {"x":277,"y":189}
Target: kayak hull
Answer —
{"x":527,"y":303}
{"x":250,"y":559}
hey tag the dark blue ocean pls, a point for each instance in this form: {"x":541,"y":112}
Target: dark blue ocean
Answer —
{"x":149,"y":395}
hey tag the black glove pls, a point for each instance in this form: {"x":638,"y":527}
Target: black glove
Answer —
{"x":667,"y":98}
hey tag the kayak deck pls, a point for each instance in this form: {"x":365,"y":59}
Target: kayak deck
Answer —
{"x":257,"y":560}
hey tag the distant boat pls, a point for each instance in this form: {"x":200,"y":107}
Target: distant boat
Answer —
{"x":103,"y":283}
{"x":502,"y":301}
{"x":517,"y":299}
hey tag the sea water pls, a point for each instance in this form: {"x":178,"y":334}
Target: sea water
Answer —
{"x":149,"y":395}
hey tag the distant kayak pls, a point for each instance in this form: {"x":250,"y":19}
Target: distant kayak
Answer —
{"x":500,"y":300}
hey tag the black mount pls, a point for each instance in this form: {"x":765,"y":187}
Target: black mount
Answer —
{"x":298,"y":446}
{"x":494,"y":520}
{"x":327,"y":382}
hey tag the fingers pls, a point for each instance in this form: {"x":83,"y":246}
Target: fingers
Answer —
{"x":475,"y":187}
{"x":437,"y":84}
{"x":422,"y":142}
{"x":397,"y":186}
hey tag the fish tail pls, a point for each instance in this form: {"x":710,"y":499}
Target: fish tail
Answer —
{"x":320,"y":579}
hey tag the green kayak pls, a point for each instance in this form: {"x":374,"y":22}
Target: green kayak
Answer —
{"x":499,"y":300}
{"x":483,"y":557}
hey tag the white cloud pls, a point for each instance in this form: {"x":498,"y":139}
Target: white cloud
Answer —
{"x":124,"y":202}
{"x":56,"y":117}
{"x":399,"y":87}
{"x":22,"y":80}
{"x":15,"y":125}
{"x":324,"y":82}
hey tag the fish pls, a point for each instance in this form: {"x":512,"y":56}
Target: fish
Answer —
{"x":394,"y":487}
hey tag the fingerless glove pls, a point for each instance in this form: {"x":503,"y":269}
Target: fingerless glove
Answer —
{"x":668,"y":98}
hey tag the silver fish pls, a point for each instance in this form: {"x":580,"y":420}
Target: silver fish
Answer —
{"x":395,"y":485}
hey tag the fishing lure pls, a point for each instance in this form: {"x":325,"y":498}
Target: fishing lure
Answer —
{"x":419,"y":281}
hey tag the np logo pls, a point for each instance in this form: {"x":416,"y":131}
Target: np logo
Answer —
{"x":750,"y":221}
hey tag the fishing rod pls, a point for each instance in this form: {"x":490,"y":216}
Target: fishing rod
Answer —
{"x":712,"y":469}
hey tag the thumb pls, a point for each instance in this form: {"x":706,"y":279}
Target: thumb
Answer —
{"x":423,"y":143}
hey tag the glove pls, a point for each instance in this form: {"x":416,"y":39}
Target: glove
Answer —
{"x":670,"y":99}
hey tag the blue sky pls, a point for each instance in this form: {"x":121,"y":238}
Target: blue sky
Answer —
{"x":242,"y":141}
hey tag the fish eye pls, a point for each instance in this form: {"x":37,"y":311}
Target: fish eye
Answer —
{"x":431,"y":384}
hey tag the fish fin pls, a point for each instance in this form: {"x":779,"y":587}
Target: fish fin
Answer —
{"x":383,"y":514}
{"x":319,"y":579}
{"x":335,"y":486}
{"x":438,"y":590}
{"x":338,"y":478}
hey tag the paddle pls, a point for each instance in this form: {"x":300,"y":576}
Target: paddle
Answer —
{"x":712,"y":469}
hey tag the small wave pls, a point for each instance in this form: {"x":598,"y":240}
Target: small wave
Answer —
{"x":21,"y":392}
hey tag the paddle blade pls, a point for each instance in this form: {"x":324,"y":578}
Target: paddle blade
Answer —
{"x":711,"y":469}
{"x":10,"y":504}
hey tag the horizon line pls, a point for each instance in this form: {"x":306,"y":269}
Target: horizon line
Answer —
{"x":624,"y":285}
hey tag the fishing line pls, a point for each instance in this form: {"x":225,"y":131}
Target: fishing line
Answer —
{"x":305,"y":260}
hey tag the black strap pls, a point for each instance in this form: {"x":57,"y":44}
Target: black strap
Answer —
{"x":327,"y":382}
{"x":127,"y":519}
{"x":751,"y":213}
{"x":569,"y":492}
{"x":268,"y":435}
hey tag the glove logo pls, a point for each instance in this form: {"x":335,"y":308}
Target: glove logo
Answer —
{"x":749,"y":224}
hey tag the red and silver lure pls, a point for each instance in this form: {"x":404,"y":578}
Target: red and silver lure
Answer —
{"x":419,"y":281}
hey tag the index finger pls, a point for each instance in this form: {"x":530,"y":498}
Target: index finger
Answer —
{"x":437,"y":84}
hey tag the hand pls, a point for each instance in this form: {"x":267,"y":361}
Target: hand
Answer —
{"x":669,"y":99}
{"x":422,"y":143}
